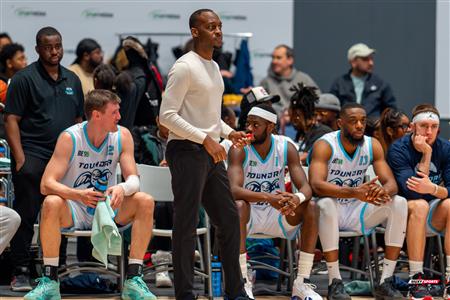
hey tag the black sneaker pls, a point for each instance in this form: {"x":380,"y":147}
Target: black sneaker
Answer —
{"x":21,"y":280}
{"x":387,"y":291}
{"x":417,"y":289}
{"x":336,"y":291}
{"x":243,"y":296}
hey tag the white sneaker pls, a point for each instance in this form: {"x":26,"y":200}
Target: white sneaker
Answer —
{"x":304,"y":291}
{"x":163,"y":279}
{"x":248,"y":285}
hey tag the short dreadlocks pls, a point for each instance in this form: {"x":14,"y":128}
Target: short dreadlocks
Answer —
{"x":304,"y":99}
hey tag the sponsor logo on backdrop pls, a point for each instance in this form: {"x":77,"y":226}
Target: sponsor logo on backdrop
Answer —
{"x":261,"y":54}
{"x":94,"y":13}
{"x":231,"y":16}
{"x":162,"y":15}
{"x":29,"y":12}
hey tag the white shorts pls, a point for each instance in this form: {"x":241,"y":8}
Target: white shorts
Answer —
{"x":430,"y":229}
{"x":351,"y":216}
{"x":82,"y":220}
{"x":264,"y":219}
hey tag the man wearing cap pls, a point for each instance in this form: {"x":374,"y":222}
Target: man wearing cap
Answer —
{"x":421,"y":165}
{"x":256,"y":175}
{"x":254,"y":97}
{"x":282,"y":75}
{"x":327,"y":110}
{"x":89,"y":56}
{"x":361,"y":85}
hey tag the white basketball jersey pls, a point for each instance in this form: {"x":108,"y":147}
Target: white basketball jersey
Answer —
{"x":88,"y":163}
{"x":344,"y":170}
{"x":266,"y":175}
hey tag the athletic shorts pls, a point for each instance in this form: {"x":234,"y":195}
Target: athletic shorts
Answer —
{"x":264,"y":219}
{"x":430,"y":229}
{"x":351,"y":216}
{"x":82,"y":220}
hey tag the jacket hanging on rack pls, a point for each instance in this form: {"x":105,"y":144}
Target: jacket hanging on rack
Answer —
{"x":243,"y":76}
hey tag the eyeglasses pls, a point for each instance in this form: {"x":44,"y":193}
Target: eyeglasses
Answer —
{"x":404,"y":127}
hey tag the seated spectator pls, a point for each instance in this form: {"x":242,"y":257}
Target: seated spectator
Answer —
{"x":373,"y":128}
{"x":421,"y":165}
{"x":252,"y":98}
{"x":327,"y":110}
{"x":89,"y":56}
{"x":68,"y":199}
{"x":9,"y":223}
{"x":394,"y":124}
{"x":301,"y":113}
{"x":360,"y":85}
{"x":282,"y":75}
{"x":12,"y":60}
{"x":5,"y":39}
{"x":339,"y":163}
{"x":263,"y":204}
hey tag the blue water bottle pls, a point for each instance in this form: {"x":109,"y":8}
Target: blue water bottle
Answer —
{"x":216,"y":270}
{"x":100,"y":186}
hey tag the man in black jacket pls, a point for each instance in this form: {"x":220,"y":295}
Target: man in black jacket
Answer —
{"x":361,"y":85}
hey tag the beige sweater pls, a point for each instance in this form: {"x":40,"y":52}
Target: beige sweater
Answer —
{"x":191,"y":104}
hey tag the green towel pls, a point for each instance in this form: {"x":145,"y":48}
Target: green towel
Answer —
{"x":105,"y":237}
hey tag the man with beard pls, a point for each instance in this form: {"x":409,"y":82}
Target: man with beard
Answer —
{"x":89,"y":56}
{"x":339,"y":161}
{"x":190,"y":109}
{"x":421,"y":165}
{"x":42,"y":100}
{"x":257,"y":181}
{"x":360,"y":85}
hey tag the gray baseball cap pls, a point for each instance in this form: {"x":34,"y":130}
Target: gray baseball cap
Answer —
{"x":329,"y":101}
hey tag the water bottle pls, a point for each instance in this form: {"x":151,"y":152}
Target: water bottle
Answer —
{"x":100,"y":186}
{"x":216,"y":270}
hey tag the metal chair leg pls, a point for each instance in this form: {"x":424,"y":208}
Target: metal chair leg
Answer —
{"x":368,"y":261}
{"x":207,"y":254}
{"x":375,"y":256}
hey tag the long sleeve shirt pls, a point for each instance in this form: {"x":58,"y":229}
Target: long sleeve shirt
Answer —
{"x":403,"y":159}
{"x":191,"y":104}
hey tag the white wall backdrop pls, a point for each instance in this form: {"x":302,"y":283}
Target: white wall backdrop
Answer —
{"x":443,"y":58}
{"x":271,"y":23}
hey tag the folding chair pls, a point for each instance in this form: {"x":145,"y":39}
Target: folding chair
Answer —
{"x":156,"y":181}
{"x":367,"y":263}
{"x":286,"y":271}
{"x":97,"y":267}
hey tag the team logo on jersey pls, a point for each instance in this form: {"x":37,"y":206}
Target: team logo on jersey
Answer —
{"x":347,"y":182}
{"x":83,"y":153}
{"x":337,"y":161}
{"x":252,"y":163}
{"x":88,"y":179}
{"x":265,"y":186}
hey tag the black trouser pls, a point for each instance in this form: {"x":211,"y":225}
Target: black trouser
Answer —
{"x":27,"y":203}
{"x":197,"y":180}
{"x":163,"y":217}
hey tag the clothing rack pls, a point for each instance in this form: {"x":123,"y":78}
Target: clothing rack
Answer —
{"x":245,"y":35}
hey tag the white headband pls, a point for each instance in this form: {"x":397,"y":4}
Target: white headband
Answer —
{"x":266,"y":115}
{"x":427,"y":115}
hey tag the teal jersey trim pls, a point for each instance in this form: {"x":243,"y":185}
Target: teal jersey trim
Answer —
{"x":99,"y":149}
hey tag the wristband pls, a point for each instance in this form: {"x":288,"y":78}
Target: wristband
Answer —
{"x":131,"y":185}
{"x":301,"y":197}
